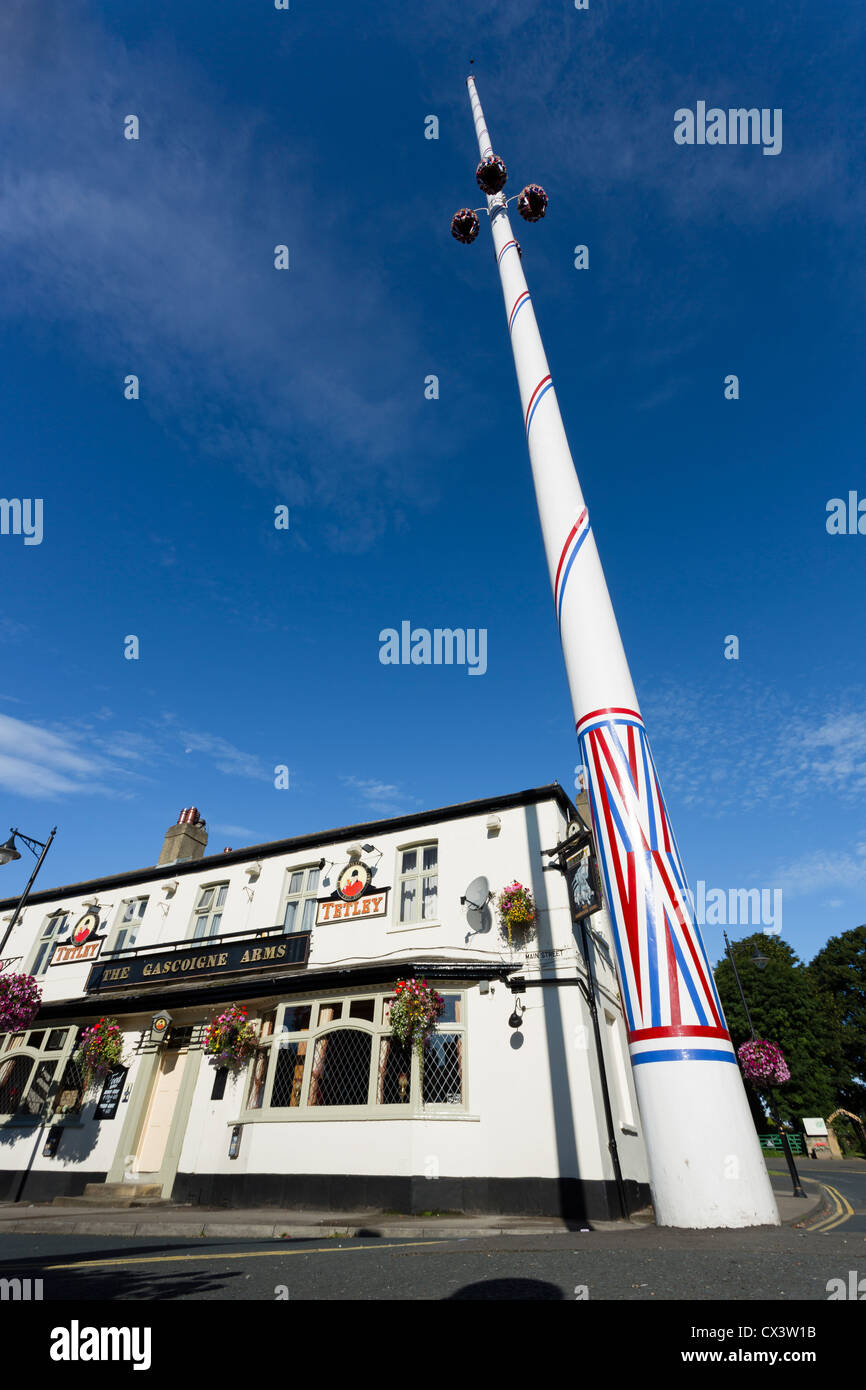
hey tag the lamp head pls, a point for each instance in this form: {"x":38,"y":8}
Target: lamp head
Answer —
{"x":8,"y":852}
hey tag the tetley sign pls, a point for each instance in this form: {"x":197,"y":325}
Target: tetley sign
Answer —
{"x":196,"y":962}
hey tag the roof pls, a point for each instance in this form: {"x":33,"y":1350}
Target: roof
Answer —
{"x":532,"y":796}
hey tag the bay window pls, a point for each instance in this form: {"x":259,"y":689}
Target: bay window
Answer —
{"x":337,"y":1057}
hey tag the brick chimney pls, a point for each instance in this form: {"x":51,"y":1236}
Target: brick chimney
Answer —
{"x":186,"y":840}
{"x":581,"y":801}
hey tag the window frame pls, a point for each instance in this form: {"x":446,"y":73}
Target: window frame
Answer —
{"x":300,"y":898}
{"x":414,"y":1108}
{"x":47,"y":937}
{"x":197,"y":915}
{"x":400,"y":878}
{"x":123,"y":926}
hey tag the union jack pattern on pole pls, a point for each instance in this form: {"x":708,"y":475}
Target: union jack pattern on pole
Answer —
{"x":706,"y":1165}
{"x":670,"y":999}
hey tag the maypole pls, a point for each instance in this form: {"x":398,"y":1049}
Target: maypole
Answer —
{"x":706,"y":1164}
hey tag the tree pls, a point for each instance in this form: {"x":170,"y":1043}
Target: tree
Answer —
{"x":787,"y":1008}
{"x":839,"y":970}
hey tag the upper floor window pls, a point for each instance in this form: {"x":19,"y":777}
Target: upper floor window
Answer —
{"x":54,"y":928}
{"x":208,"y":914}
{"x":299,"y":912}
{"x":419,"y":883}
{"x":128,"y":921}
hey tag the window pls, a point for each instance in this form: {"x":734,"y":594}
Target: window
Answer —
{"x":55,"y":926}
{"x":31,"y":1064}
{"x":419,"y":882}
{"x":341,"y":1068}
{"x":208,"y":914}
{"x":128,"y":921}
{"x":443,"y":1069}
{"x":338,"y":1054}
{"x":299,"y":911}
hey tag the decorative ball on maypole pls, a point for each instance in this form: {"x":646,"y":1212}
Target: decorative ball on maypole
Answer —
{"x":464,"y":225}
{"x":532,"y":202}
{"x":491,"y":174}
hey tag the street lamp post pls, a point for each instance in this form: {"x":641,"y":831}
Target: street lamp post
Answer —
{"x":760,"y":962}
{"x":8,"y":853}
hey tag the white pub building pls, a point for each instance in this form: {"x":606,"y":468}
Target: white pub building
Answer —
{"x":525,"y":1102}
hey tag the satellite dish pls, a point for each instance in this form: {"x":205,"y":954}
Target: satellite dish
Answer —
{"x":475,"y":899}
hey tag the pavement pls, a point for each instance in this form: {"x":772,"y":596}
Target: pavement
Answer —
{"x":268,"y":1223}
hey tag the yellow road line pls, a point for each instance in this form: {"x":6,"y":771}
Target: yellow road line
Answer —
{"x":842,"y":1209}
{"x":230,"y":1255}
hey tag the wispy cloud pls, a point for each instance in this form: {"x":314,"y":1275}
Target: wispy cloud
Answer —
{"x":225,"y":756}
{"x":36,"y":762}
{"x":822,"y":869}
{"x":79,"y":758}
{"x":737,"y":747}
{"x":381,"y":798}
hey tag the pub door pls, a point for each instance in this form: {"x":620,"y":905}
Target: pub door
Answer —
{"x":153,"y":1145}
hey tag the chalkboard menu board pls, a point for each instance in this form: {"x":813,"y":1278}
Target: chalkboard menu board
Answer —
{"x":112,"y":1089}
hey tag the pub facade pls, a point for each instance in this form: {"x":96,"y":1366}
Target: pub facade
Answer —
{"x":524,"y":1102}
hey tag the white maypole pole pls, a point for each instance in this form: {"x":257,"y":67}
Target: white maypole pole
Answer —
{"x":706,"y":1165}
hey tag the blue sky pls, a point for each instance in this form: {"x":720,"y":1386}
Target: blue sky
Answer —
{"x":306,"y":388}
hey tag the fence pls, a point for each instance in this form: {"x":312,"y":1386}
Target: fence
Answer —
{"x":772,"y":1143}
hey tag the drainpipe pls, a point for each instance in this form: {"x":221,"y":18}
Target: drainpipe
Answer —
{"x":588,"y":991}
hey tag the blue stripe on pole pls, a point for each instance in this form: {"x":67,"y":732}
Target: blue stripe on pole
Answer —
{"x":682,"y":1055}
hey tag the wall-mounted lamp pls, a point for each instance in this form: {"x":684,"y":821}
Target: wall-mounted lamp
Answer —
{"x":160,"y":1026}
{"x":253,"y":871}
{"x":169,"y":889}
{"x":516,"y":1018}
{"x":494,"y":824}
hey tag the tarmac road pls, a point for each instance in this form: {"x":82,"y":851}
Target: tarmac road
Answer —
{"x":640,"y":1264}
{"x":843,"y":1184}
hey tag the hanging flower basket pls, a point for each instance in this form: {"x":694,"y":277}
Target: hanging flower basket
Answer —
{"x":100,"y":1050}
{"x":20,"y":998}
{"x":491,"y":174}
{"x":413,"y":1015}
{"x":464,"y":225}
{"x":532,"y":202}
{"x":763,"y":1063}
{"x":516,"y":909}
{"x":230,"y":1039}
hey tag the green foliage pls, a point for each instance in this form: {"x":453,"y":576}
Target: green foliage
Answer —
{"x":787,"y":1008}
{"x":839,"y":970}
